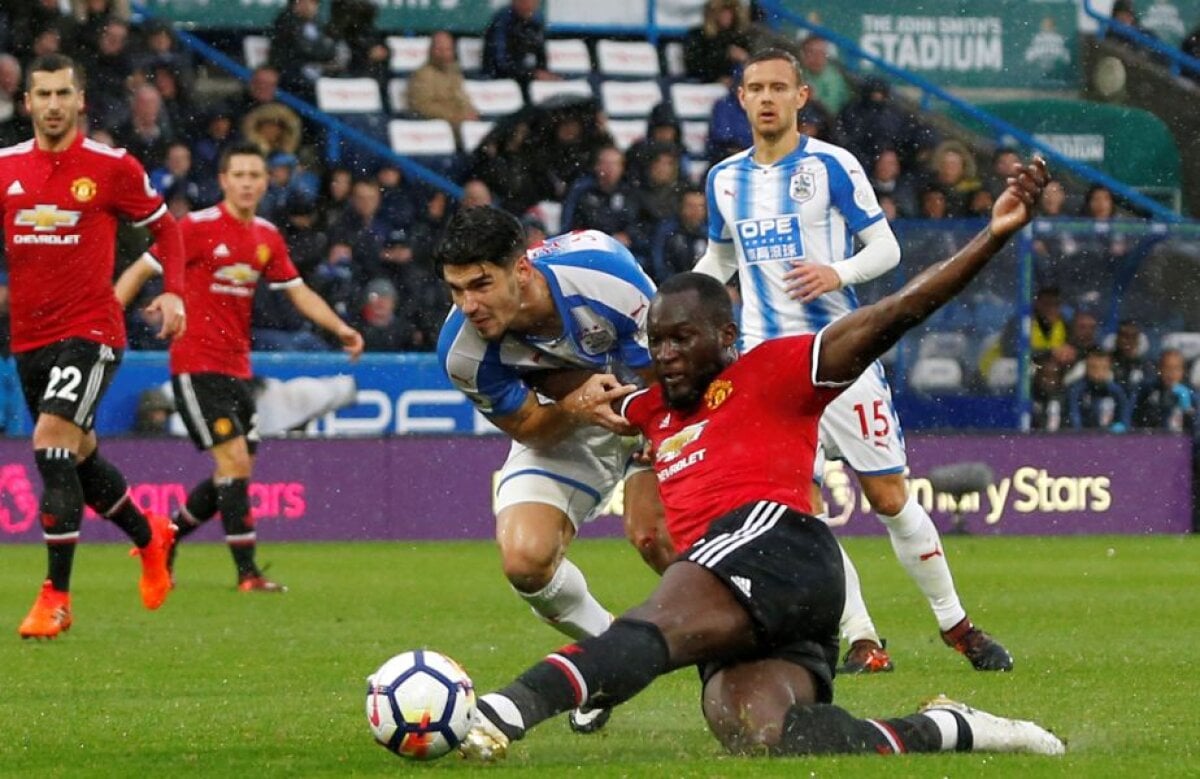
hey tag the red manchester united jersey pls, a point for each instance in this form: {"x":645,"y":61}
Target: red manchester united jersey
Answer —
{"x":753,"y":437}
{"x":225,"y":258}
{"x":60,"y":222}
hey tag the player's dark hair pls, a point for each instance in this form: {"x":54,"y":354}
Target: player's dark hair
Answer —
{"x":480,"y":234}
{"x":712,"y":295}
{"x":240,"y":149}
{"x":776,"y":53}
{"x":50,"y":63}
{"x":1096,"y":351}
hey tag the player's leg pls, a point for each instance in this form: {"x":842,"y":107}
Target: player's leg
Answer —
{"x":719,"y":600}
{"x":862,"y":423}
{"x":918,"y":547}
{"x":865,"y":650}
{"x":542,"y":498}
{"x":234,"y":465}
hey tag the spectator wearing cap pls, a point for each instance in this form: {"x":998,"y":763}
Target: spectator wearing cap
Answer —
{"x":535,"y":230}
{"x":603,"y":201}
{"x":680,"y":240}
{"x":307,"y":244}
{"x":872,"y":123}
{"x":281,"y":167}
{"x":421,"y":292}
{"x":662,"y":128}
{"x":382,"y":329}
{"x":436,"y":89}
{"x":216,"y":134}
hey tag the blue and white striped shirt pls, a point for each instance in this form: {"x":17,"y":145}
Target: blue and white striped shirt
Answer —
{"x":602,"y":296}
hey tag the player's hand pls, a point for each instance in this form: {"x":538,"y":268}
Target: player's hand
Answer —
{"x":351,"y":340}
{"x":807,"y":281}
{"x":1014,"y":208}
{"x":174,"y":318}
{"x":593,"y":401}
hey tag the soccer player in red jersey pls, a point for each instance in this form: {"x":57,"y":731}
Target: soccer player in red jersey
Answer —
{"x":227,"y":250}
{"x":62,"y":195}
{"x":755,"y":596}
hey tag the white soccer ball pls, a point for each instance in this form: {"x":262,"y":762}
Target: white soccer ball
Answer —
{"x":420,"y":704}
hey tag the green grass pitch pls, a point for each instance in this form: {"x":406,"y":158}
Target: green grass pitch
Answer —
{"x":218,"y":683}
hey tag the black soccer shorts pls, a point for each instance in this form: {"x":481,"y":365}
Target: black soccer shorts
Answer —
{"x":216,"y":408}
{"x":67,"y":379}
{"x":786,"y":569}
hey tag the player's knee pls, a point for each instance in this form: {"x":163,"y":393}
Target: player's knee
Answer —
{"x":529,"y":566}
{"x":886,"y":494}
{"x":740,"y":729}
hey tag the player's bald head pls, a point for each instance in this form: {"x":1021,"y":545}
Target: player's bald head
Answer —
{"x":700,"y":297}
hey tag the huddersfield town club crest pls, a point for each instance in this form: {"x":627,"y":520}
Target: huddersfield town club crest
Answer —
{"x":803,"y":187}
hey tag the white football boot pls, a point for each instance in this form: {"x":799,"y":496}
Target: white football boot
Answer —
{"x":999,"y":734}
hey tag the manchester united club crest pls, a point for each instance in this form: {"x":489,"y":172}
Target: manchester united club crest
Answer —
{"x":262,"y":253}
{"x":717,"y":393}
{"x":83,"y":189}
{"x":802,"y":187}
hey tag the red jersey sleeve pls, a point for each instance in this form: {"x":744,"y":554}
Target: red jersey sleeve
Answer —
{"x":280,"y":270}
{"x":135,"y":197}
{"x":638,"y":407}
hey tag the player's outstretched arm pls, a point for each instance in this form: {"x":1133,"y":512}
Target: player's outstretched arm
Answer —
{"x":536,"y":424}
{"x":853,"y":342}
{"x":314,"y":307}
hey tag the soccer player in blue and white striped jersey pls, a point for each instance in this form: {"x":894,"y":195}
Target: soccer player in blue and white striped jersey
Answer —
{"x":784,"y":215}
{"x":527,"y":328}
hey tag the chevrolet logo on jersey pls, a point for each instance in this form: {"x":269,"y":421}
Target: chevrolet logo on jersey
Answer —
{"x":44,"y":218}
{"x":673,"y":446}
{"x":240,"y":273}
{"x":773,"y":239}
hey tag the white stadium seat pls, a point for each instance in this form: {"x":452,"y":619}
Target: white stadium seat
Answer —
{"x":421,"y":137}
{"x":256,"y":49}
{"x":1194,"y":378}
{"x":952,"y":345}
{"x":627,"y":59}
{"x":470,"y":54}
{"x":398,"y":94}
{"x":1002,"y":374}
{"x":541,"y":91}
{"x":936,"y":374}
{"x":349,"y":96}
{"x":550,"y":212}
{"x":695,"y":101}
{"x":695,"y":137}
{"x":408,"y":52}
{"x":1187,"y":343}
{"x":626,"y":132}
{"x":673,"y":55}
{"x":630,"y":98}
{"x":568,"y":57}
{"x":495,"y":97}
{"x":473,"y":131}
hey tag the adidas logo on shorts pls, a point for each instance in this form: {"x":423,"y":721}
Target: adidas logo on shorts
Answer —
{"x":742,"y":583}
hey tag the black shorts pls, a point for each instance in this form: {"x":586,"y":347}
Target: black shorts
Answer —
{"x":786,"y":569}
{"x":67,"y":379}
{"x":216,"y":408}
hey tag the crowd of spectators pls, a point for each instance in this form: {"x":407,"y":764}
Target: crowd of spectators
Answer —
{"x":363,"y":239}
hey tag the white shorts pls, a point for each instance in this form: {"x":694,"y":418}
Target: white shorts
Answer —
{"x":576,"y":476}
{"x":861,"y":427}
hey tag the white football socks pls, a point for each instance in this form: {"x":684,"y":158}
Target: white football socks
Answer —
{"x":918,"y":547}
{"x":856,"y":622}
{"x":567,"y":606}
